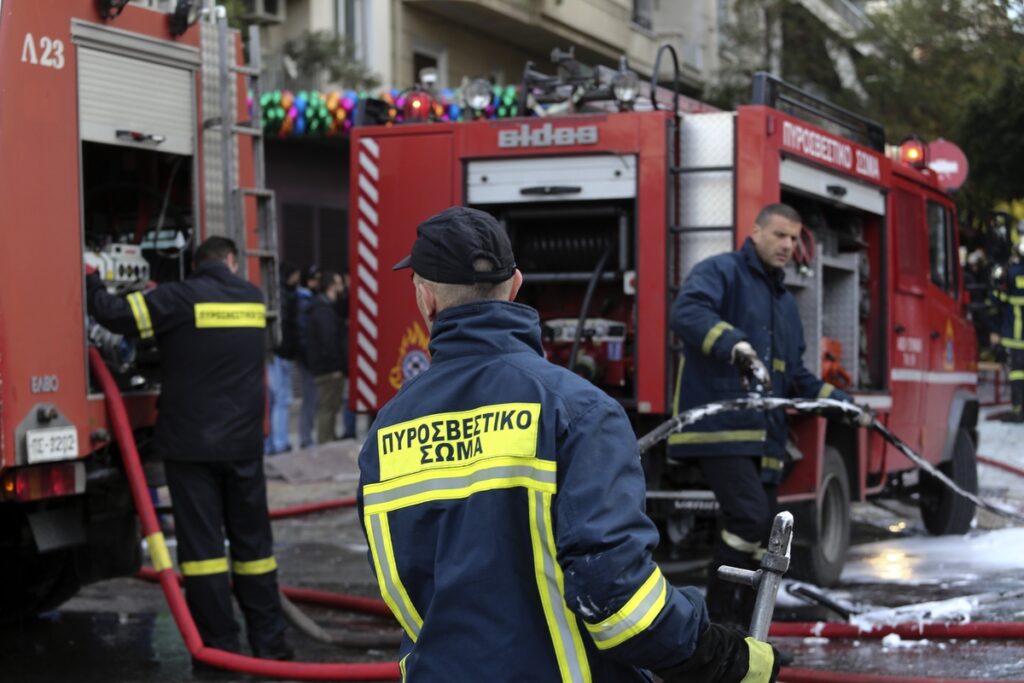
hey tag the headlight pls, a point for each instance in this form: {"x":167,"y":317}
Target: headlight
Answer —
{"x":477,"y":94}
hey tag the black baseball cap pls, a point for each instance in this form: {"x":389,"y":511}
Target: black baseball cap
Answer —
{"x":447,"y":244}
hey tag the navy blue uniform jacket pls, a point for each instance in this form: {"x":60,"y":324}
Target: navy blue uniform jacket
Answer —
{"x":1012,"y":328}
{"x":503,"y":501}
{"x":210,"y":331}
{"x":727,"y":299}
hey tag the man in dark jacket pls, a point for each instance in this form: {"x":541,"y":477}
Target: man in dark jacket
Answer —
{"x":1011,"y":335}
{"x":210,"y":333}
{"x":325,"y":353}
{"x":279,"y":374}
{"x":734,"y":310}
{"x":503,"y":501}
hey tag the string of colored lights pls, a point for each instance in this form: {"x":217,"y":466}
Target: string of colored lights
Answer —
{"x":311,"y":113}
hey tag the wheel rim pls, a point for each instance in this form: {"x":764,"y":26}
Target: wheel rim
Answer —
{"x":831,"y":522}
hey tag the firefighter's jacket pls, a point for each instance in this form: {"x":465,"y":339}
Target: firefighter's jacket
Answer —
{"x":210,"y":333}
{"x":727,"y":299}
{"x":1011,"y":331}
{"x":503,"y":501}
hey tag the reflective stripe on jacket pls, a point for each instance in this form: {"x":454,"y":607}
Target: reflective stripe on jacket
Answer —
{"x":727,"y":299}
{"x":503,"y":501}
{"x":1011,"y":331}
{"x":210,"y":331}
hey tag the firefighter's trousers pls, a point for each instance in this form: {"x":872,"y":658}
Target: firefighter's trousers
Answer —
{"x":1017,"y":382}
{"x":211,"y":498}
{"x":747,"y":507}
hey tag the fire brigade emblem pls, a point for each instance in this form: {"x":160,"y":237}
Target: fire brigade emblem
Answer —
{"x":413,"y":356}
{"x":949,"y":360}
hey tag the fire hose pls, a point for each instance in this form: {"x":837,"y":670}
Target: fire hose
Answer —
{"x":802,"y":405}
{"x":381,"y":671}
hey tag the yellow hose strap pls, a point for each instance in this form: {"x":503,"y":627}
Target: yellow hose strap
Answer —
{"x":712,"y":336}
{"x":158,"y":552}
{"x":760,"y":662}
{"x":826,"y":390}
{"x":217,"y":565}
{"x":254,"y":567}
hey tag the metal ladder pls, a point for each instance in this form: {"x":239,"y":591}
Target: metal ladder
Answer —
{"x":235,"y":195}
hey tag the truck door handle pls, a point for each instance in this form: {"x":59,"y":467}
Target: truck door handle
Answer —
{"x":899,"y":329}
{"x":934,"y":334}
{"x":548,"y":190}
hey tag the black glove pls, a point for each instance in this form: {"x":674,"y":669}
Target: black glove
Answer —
{"x":753,"y":374}
{"x":724,"y":655}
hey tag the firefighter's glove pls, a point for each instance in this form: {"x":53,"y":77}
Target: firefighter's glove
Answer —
{"x":753,"y":374}
{"x":724,"y":655}
{"x":865,"y":418}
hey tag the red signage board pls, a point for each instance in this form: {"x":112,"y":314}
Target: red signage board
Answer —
{"x":949,"y":164}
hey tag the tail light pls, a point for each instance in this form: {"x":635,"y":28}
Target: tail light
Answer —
{"x":24,"y":484}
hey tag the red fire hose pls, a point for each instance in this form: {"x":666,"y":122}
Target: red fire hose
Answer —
{"x":977,"y":629}
{"x":298,"y":510}
{"x":1001,"y":465}
{"x":383,"y":671}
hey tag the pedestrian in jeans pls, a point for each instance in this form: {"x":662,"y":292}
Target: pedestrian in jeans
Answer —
{"x":324,"y":353}
{"x":307,"y":383}
{"x":279,"y":374}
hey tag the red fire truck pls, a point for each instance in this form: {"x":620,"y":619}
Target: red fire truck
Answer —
{"x":110,"y":149}
{"x":609,"y":210}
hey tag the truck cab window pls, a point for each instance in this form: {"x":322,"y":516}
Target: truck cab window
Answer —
{"x":942,"y":248}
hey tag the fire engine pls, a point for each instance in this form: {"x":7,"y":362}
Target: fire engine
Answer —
{"x":124,"y":142}
{"x":610,"y":204}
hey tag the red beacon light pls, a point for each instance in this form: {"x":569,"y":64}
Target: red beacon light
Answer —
{"x":418,"y":107}
{"x":914,"y":153}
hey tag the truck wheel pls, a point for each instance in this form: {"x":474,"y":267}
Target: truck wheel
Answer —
{"x":821,"y":561}
{"x":943,"y":511}
{"x":31,"y":583}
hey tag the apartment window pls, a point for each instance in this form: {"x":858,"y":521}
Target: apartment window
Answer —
{"x":427,"y":56}
{"x":643,"y":13}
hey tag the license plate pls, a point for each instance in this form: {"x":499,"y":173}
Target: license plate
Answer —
{"x":51,"y":443}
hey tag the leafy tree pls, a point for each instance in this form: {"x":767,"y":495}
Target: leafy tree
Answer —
{"x":326,"y":53}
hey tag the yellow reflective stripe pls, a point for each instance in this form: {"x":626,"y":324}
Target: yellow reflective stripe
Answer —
{"x":1019,"y":281}
{"x":140,"y":311}
{"x":461,"y":482}
{"x":205,"y":567}
{"x":401,"y":666}
{"x":1016,"y":375}
{"x":1012,"y":343}
{"x":158,"y":552}
{"x":565,"y":633}
{"x":391,"y":587}
{"x":712,"y":336}
{"x":826,"y":390}
{"x":760,"y":662}
{"x":217,"y":315}
{"x":1014,"y":300}
{"x":254,"y":567}
{"x":718,"y":437}
{"x":1000,"y":295}
{"x":778,"y":364}
{"x":679,"y":384}
{"x":770,"y":463}
{"x":636,"y":615}
{"x":741,"y":544}
{"x":1016,"y":322}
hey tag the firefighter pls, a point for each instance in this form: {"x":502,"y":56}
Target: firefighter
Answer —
{"x":503,"y":501}
{"x":1011,"y":336}
{"x":734,"y":310}
{"x":209,"y":330}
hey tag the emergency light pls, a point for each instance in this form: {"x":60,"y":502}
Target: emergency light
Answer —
{"x":914,"y":153}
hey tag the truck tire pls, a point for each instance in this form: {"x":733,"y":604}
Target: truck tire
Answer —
{"x":821,"y":561}
{"x":31,"y":583}
{"x":944,"y":512}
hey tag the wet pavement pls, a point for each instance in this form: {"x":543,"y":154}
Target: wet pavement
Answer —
{"x":121,"y":631}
